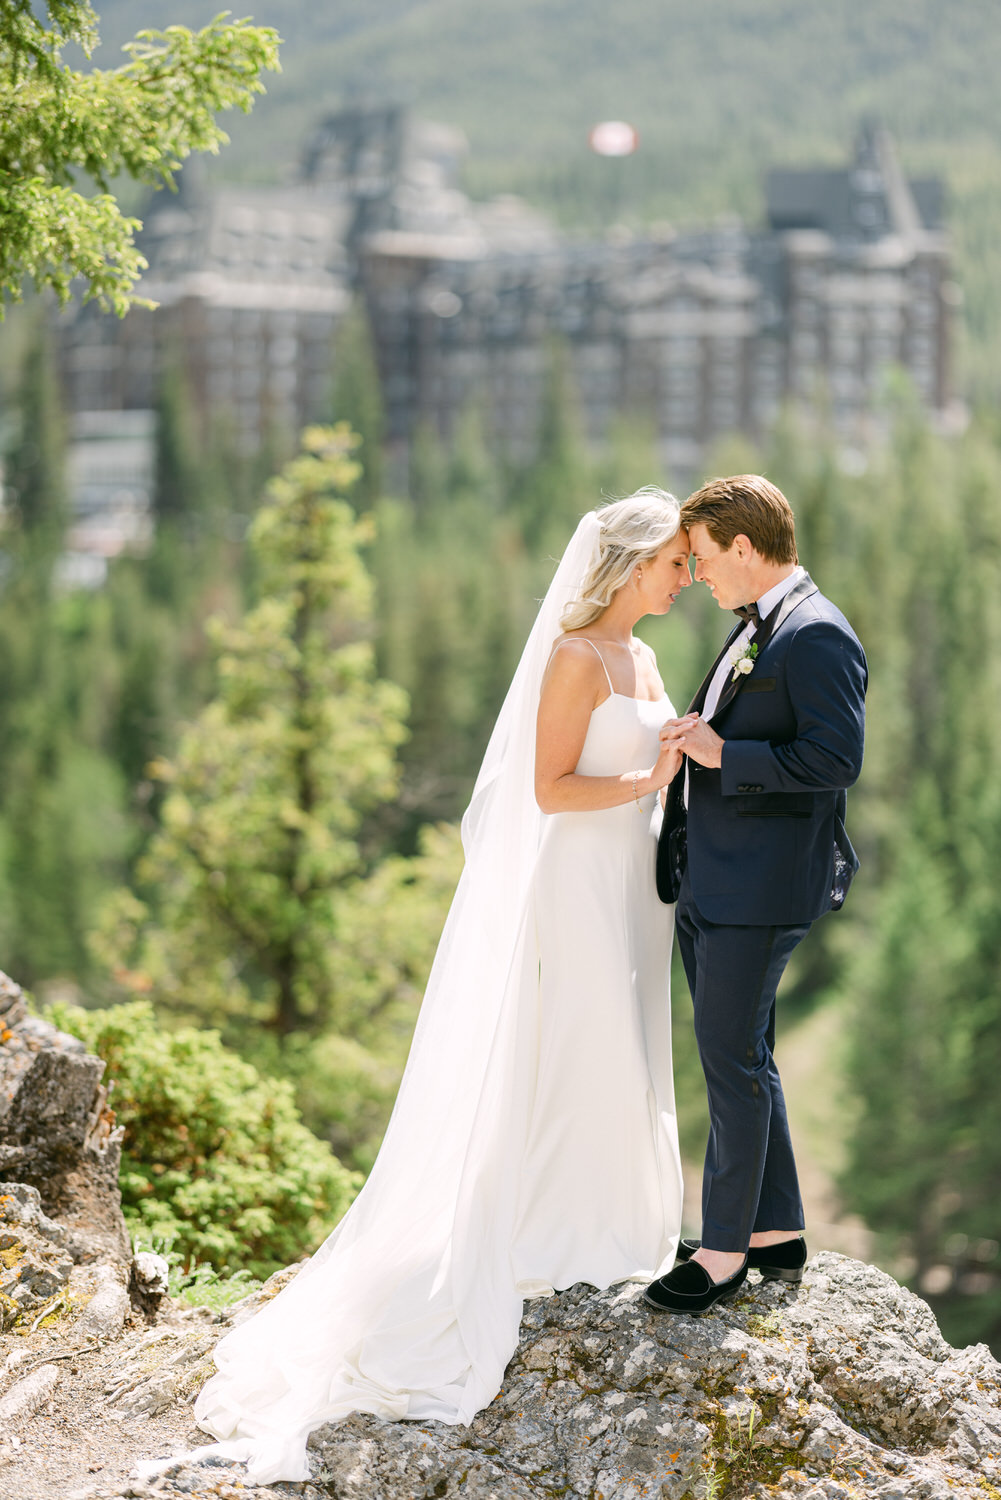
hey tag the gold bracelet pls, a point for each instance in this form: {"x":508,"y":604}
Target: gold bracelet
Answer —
{"x":636,"y":799}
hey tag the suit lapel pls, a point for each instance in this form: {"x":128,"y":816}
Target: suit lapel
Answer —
{"x":763,"y":635}
{"x":695,"y":707}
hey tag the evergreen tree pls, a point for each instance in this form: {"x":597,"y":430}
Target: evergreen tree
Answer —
{"x":558,"y":486}
{"x":428,"y":478}
{"x":926,"y":1032}
{"x":268,"y":788}
{"x":62,"y":127}
{"x":357,"y":399}
{"x":35,"y":480}
{"x":474,"y":482}
{"x":178,"y":475}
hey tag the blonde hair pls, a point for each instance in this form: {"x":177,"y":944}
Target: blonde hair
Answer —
{"x":631,"y":531}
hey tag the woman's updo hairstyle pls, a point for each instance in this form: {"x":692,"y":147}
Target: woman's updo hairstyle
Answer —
{"x":631,"y":531}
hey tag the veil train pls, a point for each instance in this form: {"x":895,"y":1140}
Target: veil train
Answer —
{"x":411,"y":1307}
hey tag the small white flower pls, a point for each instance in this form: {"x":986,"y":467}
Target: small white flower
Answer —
{"x":742,"y":659}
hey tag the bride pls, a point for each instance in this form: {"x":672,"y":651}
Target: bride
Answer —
{"x":533,"y":1142}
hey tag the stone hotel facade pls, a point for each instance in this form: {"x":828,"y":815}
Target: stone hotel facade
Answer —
{"x":702,"y":333}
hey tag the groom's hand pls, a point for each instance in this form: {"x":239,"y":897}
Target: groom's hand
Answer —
{"x":694,"y":736}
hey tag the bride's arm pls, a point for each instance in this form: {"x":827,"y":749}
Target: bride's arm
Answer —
{"x":571,"y":688}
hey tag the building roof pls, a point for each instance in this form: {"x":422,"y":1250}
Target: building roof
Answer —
{"x":865,"y":201}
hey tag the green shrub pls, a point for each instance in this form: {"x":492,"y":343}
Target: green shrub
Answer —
{"x":215,"y":1158}
{"x":198,"y":1283}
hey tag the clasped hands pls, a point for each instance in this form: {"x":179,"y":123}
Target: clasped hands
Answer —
{"x":693,"y":737}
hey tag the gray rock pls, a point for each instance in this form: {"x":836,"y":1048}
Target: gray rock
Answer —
{"x":168,"y":1364}
{"x":107,"y":1306}
{"x":149,"y":1282}
{"x":22,"y":1204}
{"x":840,"y":1389}
{"x":37,"y":1275}
{"x":58,"y":1135}
{"x":25,"y":1398}
{"x":34,"y":1266}
{"x":13,"y":1009}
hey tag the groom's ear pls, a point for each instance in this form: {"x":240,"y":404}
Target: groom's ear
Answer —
{"x":742,"y":546}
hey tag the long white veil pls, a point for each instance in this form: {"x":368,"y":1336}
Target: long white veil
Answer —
{"x":410,"y":1308}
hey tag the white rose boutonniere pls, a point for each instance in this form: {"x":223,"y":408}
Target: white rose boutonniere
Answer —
{"x":742,"y":660}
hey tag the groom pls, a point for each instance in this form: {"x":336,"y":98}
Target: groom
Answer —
{"x":754,"y":850}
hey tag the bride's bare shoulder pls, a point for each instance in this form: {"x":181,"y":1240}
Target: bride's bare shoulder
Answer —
{"x":573,"y":658}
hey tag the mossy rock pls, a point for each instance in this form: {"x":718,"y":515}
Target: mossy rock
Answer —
{"x":9,"y":1313}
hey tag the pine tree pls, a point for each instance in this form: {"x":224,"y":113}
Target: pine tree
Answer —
{"x":178,"y":482}
{"x":428,"y":478}
{"x":36,"y":487}
{"x":357,"y":400}
{"x":926,"y":1034}
{"x":557,"y":487}
{"x":268,"y":788}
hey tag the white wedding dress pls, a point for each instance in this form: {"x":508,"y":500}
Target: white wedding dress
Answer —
{"x":533,"y":1144}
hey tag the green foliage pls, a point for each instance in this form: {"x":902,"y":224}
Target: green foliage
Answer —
{"x":259,"y":841}
{"x":357,"y":400}
{"x":64,"y":839}
{"x":556,"y":489}
{"x":34,"y":472}
{"x":94,"y":684}
{"x":216,"y":1160}
{"x":346,"y":1079}
{"x":140,"y":120}
{"x":197,"y":1283}
{"x":177,"y":481}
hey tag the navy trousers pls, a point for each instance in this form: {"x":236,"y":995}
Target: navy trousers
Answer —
{"x":749,"y":1183}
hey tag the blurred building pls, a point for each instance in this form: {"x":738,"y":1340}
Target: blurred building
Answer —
{"x":111,"y":484}
{"x":700,"y":333}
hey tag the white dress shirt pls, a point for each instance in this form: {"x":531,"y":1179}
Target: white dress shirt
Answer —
{"x":724,"y":671}
{"x":766,"y":604}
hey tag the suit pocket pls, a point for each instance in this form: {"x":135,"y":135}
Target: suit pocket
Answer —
{"x":759,"y":685}
{"x":776,"y":805}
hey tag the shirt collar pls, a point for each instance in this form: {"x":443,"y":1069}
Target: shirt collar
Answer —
{"x":775,"y":595}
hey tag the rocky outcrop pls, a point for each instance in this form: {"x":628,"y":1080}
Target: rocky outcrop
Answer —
{"x":841,"y":1389}
{"x":57,"y":1133}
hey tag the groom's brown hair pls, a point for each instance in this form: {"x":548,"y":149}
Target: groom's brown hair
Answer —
{"x":745,"y":505}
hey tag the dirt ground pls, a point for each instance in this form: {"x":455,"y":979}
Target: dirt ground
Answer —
{"x":107,"y":1405}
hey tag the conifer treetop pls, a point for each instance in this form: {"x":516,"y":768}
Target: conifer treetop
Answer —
{"x":63,"y":127}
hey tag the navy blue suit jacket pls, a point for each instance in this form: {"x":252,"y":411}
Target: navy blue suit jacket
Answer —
{"x":764,"y":835}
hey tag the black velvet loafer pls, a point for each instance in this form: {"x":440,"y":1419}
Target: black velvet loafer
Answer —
{"x":690,"y":1289}
{"x":781,"y":1262}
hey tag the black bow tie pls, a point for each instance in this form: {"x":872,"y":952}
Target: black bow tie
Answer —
{"x":749,"y":613}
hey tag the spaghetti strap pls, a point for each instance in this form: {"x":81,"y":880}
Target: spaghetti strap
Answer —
{"x":597,"y":654}
{"x":601,"y":659}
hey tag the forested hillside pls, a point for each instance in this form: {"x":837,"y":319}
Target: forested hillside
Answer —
{"x":230,"y":779}
{"x":718,"y":90}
